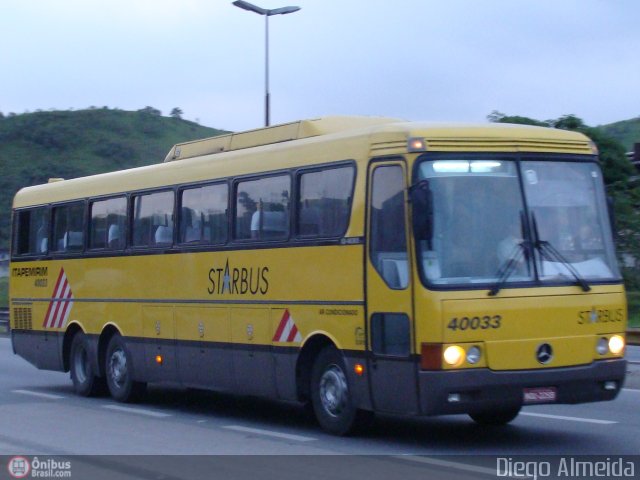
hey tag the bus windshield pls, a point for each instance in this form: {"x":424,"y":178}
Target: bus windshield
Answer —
{"x":480,"y":232}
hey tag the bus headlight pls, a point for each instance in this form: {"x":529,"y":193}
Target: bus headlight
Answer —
{"x":616,"y":344}
{"x":603,"y":346}
{"x":473,"y":355}
{"x":453,"y":355}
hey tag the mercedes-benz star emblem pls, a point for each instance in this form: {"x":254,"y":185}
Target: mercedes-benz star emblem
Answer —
{"x":544,"y":353}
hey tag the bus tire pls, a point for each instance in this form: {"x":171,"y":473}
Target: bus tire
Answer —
{"x":496,"y":417}
{"x":118,"y":371}
{"x":85,"y":381}
{"x":330,"y":395}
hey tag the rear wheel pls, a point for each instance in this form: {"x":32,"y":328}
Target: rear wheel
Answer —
{"x":119,"y":373}
{"x":331,"y":397}
{"x":496,"y":417}
{"x":84,"y":378}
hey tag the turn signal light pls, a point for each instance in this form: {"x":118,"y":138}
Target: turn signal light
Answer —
{"x":431,"y":356}
{"x":359,"y":369}
{"x":159,"y":359}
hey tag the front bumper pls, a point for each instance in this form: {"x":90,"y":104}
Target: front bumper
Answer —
{"x":483,"y":389}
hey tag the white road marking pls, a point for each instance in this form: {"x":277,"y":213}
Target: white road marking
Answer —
{"x":573,"y":419}
{"x":633,"y":390}
{"x":138,"y":411}
{"x":451,"y":465}
{"x":50,"y":396}
{"x":269,"y":433}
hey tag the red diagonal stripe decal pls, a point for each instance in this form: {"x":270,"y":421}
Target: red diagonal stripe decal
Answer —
{"x":292,"y":333}
{"x":283,"y":323}
{"x":55,"y":290}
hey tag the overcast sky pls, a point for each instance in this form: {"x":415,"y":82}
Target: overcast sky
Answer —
{"x":453,"y":60}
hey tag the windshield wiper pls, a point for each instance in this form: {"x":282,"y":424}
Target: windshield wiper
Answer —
{"x":550,"y":252}
{"x":508,"y":267}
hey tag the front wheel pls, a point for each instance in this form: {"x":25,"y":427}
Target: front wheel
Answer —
{"x":119,"y":373}
{"x":85,"y":381}
{"x":496,"y":417}
{"x":330,"y":395}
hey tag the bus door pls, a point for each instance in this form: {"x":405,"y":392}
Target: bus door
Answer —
{"x":392,"y":374}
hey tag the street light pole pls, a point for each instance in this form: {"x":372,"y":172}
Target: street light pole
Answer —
{"x":267,"y":13}
{"x":267,"y":95}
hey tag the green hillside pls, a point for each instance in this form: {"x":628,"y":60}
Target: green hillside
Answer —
{"x":68,"y":144}
{"x":627,"y":132}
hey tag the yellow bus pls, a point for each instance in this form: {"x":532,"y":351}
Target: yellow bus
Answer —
{"x":358,"y":265}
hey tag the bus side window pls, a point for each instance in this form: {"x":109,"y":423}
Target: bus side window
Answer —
{"x":108,"y":219}
{"x":262,"y":208}
{"x":153,"y":219}
{"x":68,"y":228}
{"x":388,"y":239}
{"x":31,"y":232}
{"x":324,"y":201}
{"x":203,"y":216}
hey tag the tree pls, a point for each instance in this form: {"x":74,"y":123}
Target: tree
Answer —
{"x":176,"y":113}
{"x":150,"y":111}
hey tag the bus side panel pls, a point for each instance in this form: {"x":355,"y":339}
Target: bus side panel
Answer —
{"x":40,"y":348}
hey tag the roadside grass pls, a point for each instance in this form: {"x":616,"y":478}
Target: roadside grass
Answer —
{"x":633,"y":301}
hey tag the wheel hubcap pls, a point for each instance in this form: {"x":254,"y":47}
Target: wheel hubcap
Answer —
{"x":80,"y":365}
{"x":118,"y":367}
{"x":333,"y":390}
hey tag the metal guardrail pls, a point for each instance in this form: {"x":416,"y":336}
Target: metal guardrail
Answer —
{"x":4,"y":320}
{"x":633,"y":336}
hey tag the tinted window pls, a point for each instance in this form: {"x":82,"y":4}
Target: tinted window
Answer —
{"x":323,"y":206}
{"x":203,"y":217}
{"x":68,"y":229}
{"x":31,"y":234}
{"x":388,"y":237}
{"x":108,"y":223}
{"x":153,"y":219}
{"x":390,"y":334}
{"x":262,"y":208}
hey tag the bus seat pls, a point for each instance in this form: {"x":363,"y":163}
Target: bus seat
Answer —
{"x":274,"y":224}
{"x":395,"y":272}
{"x":192,"y":234}
{"x":113,"y":236}
{"x":72,"y":241}
{"x":163,"y":235}
{"x":309,"y":221}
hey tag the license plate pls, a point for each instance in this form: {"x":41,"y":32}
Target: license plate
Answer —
{"x":540,"y":395}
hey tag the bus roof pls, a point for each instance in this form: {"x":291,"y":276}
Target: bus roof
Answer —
{"x":316,"y":141}
{"x":436,"y":134}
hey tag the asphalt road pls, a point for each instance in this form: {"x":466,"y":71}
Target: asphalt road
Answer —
{"x":40,"y":415}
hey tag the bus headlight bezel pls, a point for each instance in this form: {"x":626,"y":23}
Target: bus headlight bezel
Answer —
{"x":602,"y":346}
{"x":474,"y":354}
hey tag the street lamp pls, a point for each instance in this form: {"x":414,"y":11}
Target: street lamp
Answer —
{"x":267,"y":13}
